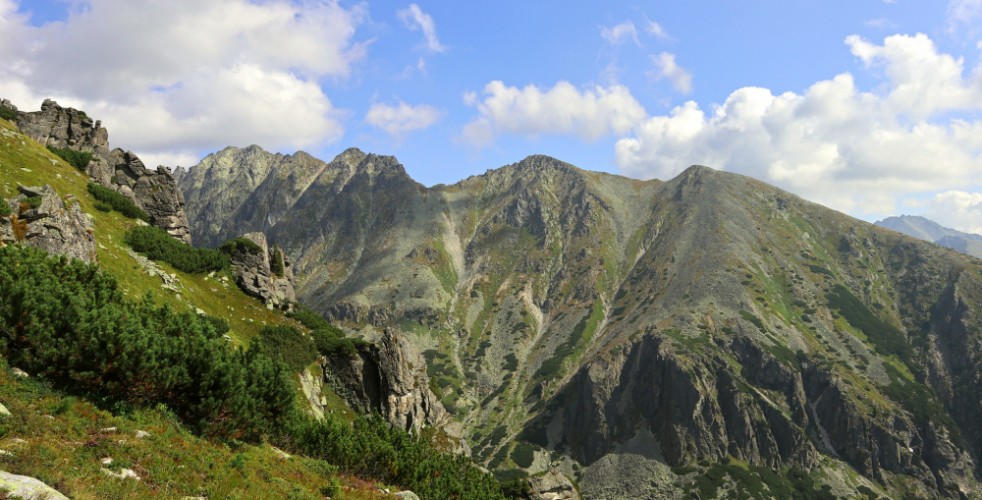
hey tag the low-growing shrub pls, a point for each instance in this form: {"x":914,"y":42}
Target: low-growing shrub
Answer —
{"x":157,"y":244}
{"x":117,"y":201}
{"x":276,"y":262}
{"x":240,"y":245}
{"x":77,"y":159}
{"x":7,"y":113}
{"x":103,"y":206}
{"x":286,"y":344}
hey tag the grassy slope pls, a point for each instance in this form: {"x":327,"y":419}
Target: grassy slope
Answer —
{"x":173,"y":462}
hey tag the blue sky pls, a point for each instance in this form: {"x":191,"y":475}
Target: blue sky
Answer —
{"x":871,"y":107}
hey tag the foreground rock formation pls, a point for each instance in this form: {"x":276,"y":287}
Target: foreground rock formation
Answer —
{"x":154,"y":191}
{"x":264,"y":273}
{"x":627,"y":329}
{"x":38,"y":217}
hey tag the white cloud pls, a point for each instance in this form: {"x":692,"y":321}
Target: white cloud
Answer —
{"x":402,"y":118}
{"x":618,"y":34}
{"x":958,"y":210}
{"x":666,"y":68}
{"x":589,"y":113}
{"x":963,"y":12}
{"x":835,"y":144}
{"x":415,"y":19}
{"x":656,"y":29}
{"x":181,"y":74}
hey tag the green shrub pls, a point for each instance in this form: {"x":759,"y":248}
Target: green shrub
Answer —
{"x":329,"y":339}
{"x":886,"y":338}
{"x":286,"y":344}
{"x":240,"y":245}
{"x":77,"y":159}
{"x":157,"y":244}
{"x":276,"y":262}
{"x":4,"y":208}
{"x":103,"y":206}
{"x":523,"y":455}
{"x":32,"y":201}
{"x":372,"y":448}
{"x":69,"y":323}
{"x":117,"y":201}
{"x":7,"y":113}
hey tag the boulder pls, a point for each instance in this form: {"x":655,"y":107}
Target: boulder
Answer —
{"x":26,"y":487}
{"x":553,"y":485}
{"x":41,"y":219}
{"x":264,"y":272}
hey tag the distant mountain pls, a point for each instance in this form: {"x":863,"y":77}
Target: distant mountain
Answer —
{"x":649,"y":338}
{"x":928,"y":230}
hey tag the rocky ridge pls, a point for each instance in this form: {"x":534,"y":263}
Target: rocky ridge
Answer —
{"x":154,"y":191}
{"x":928,"y":230}
{"x":707,"y":320}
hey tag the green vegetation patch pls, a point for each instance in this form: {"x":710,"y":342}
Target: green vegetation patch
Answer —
{"x":886,"y":338}
{"x":276,"y":265}
{"x":68,"y":322}
{"x":288,"y":345}
{"x":77,"y":159}
{"x":7,"y":113}
{"x":751,"y":482}
{"x":328,"y":339}
{"x":918,"y":399}
{"x":157,"y":244}
{"x":240,"y":245}
{"x":751,"y":317}
{"x":117,"y":201}
{"x":523,"y":455}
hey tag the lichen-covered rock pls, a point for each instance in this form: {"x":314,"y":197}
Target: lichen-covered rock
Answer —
{"x":553,"y":485}
{"x":264,"y":272}
{"x":41,"y":219}
{"x":28,"y":488}
{"x":155,"y":191}
{"x":389,"y":378}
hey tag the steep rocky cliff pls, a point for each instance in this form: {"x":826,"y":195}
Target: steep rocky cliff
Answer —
{"x":624,"y":329}
{"x":156,"y":192}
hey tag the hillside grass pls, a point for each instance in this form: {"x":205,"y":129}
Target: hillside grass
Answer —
{"x":62,"y":440}
{"x":25,"y":162}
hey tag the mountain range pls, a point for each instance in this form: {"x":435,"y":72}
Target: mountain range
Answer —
{"x":707,"y":334}
{"x":928,"y":230}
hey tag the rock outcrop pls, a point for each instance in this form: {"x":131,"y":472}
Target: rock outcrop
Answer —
{"x":28,"y":488}
{"x":264,"y":272}
{"x":553,"y":485}
{"x":389,"y":378}
{"x":156,"y":192}
{"x":38,"y":217}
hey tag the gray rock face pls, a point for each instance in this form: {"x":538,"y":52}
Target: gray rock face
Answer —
{"x":156,"y":192}
{"x":27,"y":488}
{"x":552,"y":485}
{"x":390,"y":378}
{"x":240,"y":190}
{"x":255,"y":275}
{"x":63,"y":128}
{"x":51,"y":225}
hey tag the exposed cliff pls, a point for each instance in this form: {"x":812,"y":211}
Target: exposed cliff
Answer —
{"x":568,"y":315}
{"x":264,"y":272}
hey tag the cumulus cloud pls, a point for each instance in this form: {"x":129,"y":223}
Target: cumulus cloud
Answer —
{"x":656,"y":29}
{"x":957,"y":209}
{"x":563,"y":109}
{"x":197,"y":75}
{"x":402,"y":118}
{"x":618,"y":34}
{"x":416,"y":20}
{"x":850,"y":149}
{"x":667,"y":69}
